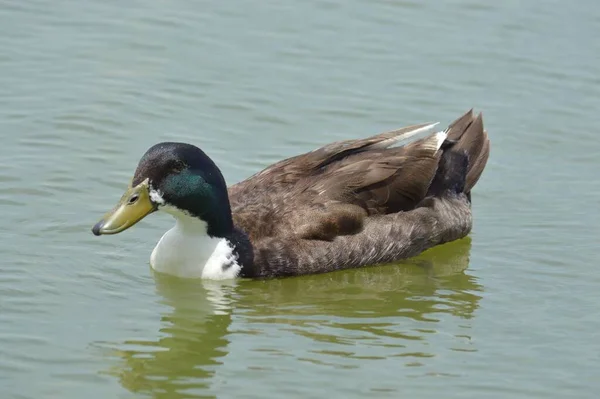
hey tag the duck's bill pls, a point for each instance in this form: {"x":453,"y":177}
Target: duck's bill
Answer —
{"x":134,"y":205}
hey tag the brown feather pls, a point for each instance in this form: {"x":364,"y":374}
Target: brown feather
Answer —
{"x":289,"y":171}
{"x":359,"y":189}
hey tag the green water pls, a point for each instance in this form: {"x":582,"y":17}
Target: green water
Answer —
{"x":87,"y":86}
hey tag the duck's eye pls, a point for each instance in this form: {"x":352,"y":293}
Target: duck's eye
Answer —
{"x":177,"y":166}
{"x":133,"y":199}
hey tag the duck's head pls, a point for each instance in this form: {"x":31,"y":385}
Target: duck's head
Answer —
{"x":173,"y":176}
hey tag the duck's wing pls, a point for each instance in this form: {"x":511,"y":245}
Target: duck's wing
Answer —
{"x":356,"y":181}
{"x":380,"y":181}
{"x":288,"y":172}
{"x":389,"y":180}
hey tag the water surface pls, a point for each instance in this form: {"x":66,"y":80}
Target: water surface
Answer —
{"x":87,"y":87}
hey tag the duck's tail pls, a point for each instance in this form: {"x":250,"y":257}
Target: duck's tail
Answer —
{"x":465,"y":154}
{"x":470,"y":136}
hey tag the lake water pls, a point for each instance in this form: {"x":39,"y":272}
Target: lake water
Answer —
{"x":87,"y":86}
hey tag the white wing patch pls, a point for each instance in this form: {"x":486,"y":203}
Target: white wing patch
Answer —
{"x":403,"y":137}
{"x":435,"y":141}
{"x":440,"y":138}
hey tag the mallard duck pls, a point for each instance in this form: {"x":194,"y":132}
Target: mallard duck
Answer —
{"x":348,"y":204}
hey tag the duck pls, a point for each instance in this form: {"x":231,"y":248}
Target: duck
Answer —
{"x":348,"y":204}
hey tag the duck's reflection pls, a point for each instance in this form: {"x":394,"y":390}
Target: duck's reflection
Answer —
{"x":393,"y":307}
{"x":188,"y":345}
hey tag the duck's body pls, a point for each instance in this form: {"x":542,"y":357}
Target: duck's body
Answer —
{"x":348,"y":204}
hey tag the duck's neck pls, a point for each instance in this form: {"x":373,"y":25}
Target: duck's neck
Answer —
{"x":188,"y":251}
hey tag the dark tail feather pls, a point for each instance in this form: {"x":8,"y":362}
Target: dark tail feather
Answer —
{"x":451,"y":173}
{"x":468,"y":135}
{"x":466,"y":151}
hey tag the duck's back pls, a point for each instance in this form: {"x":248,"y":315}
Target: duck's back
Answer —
{"x":348,"y":194}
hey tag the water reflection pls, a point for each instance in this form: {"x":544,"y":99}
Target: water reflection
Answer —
{"x":339,"y":319}
{"x":374,"y":313}
{"x":191,"y":340}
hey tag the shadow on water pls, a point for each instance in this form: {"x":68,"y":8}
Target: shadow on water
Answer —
{"x":390,"y":307}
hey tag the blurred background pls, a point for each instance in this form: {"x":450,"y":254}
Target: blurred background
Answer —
{"x":87,"y":86}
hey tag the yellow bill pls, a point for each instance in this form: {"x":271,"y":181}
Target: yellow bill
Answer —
{"x":134,"y":205}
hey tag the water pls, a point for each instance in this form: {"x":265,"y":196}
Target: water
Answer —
{"x":87,"y":87}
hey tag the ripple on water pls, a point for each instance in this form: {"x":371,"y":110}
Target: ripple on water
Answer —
{"x":403,"y":306}
{"x":88,"y":86}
